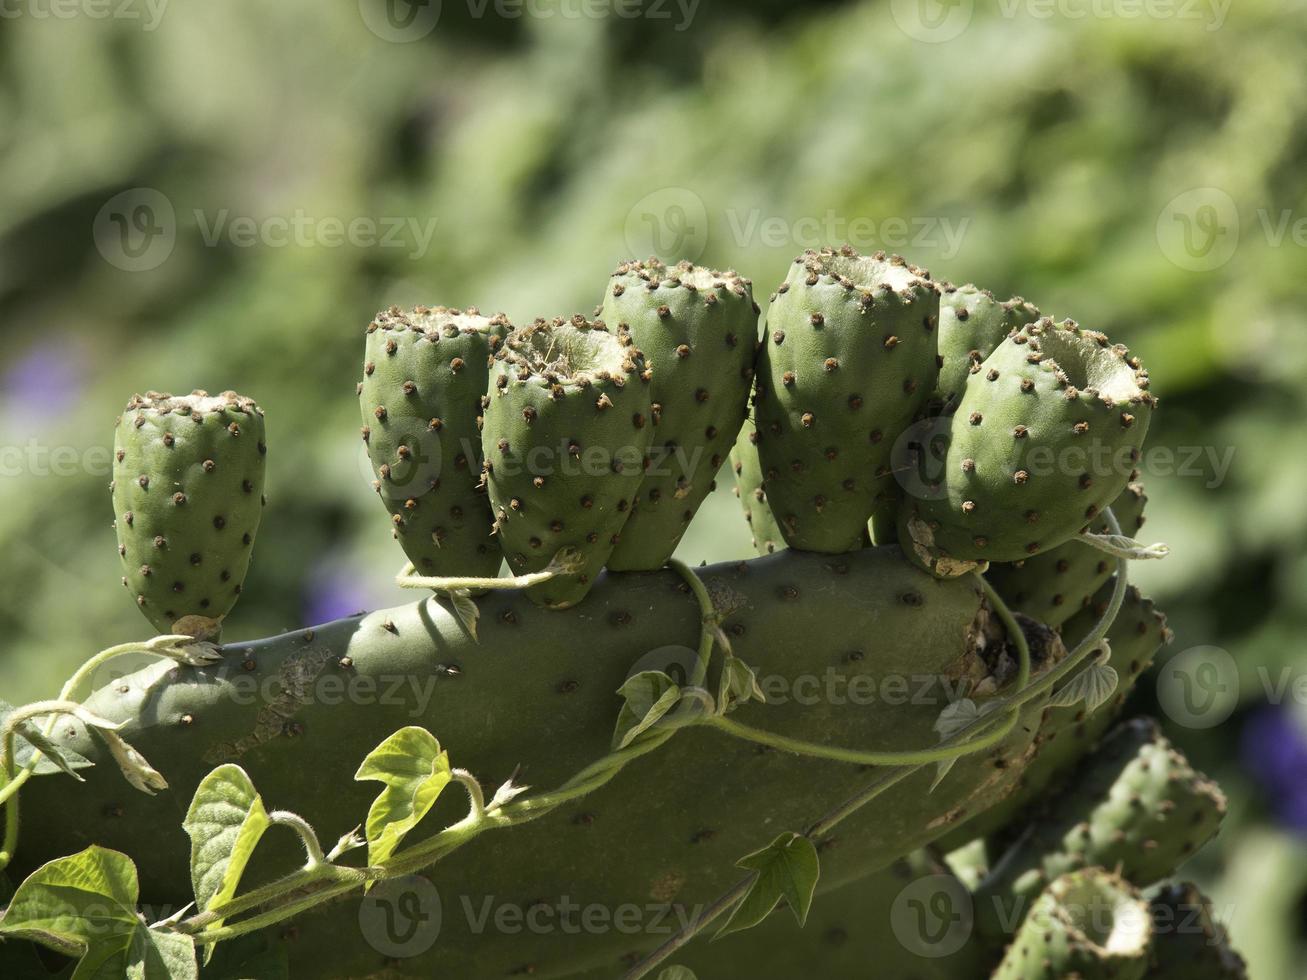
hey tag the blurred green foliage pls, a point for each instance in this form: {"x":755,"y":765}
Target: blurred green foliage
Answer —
{"x":545,"y":148}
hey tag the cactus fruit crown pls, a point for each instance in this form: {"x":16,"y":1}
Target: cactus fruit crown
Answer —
{"x":434,"y":322}
{"x":188,"y":495}
{"x":652,"y":273}
{"x":573,"y":352}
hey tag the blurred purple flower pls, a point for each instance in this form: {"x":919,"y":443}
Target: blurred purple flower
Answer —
{"x":43,"y":384}
{"x":1274,"y":749}
{"x":333,"y":592}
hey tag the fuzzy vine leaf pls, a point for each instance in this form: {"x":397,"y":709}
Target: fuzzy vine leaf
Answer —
{"x":415,"y":770}
{"x":54,"y":758}
{"x":225,"y":822}
{"x":787,"y":868}
{"x":738,"y":685}
{"x":136,"y":769}
{"x":84,"y":905}
{"x":649,"y":695}
{"x":1093,"y":685}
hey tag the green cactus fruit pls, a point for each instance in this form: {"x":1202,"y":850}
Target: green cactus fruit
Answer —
{"x":848,"y":360}
{"x":1046,"y":436}
{"x":1055,"y":585}
{"x":1189,"y":943}
{"x":971,"y":324}
{"x":697,"y":329}
{"x":536,"y":698}
{"x":188,"y":497}
{"x":748,"y":487}
{"x":567,"y":429}
{"x":424,"y":376}
{"x":1089,"y":925}
{"x":1135,"y":805}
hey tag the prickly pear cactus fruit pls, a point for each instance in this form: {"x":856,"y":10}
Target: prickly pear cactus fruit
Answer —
{"x":697,"y":329}
{"x":971,"y":324}
{"x":424,"y":375}
{"x":188,"y":497}
{"x":1189,"y":943}
{"x":848,"y":359}
{"x":1088,"y":924}
{"x":1055,"y":585}
{"x":753,"y":498}
{"x":1045,"y":437}
{"x":566,"y":433}
{"x":1135,"y":805}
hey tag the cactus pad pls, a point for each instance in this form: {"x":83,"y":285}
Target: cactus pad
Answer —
{"x":1089,"y":925}
{"x":1045,"y":437}
{"x":848,"y":359}
{"x":424,"y":377}
{"x":697,"y":329}
{"x":566,"y":432}
{"x":188,"y":497}
{"x":1135,"y":805}
{"x":971,"y":324}
{"x":748,"y":487}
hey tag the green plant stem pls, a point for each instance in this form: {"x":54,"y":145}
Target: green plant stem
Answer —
{"x":941,"y":753}
{"x":408,"y":579}
{"x":708,"y":620}
{"x":309,"y":837}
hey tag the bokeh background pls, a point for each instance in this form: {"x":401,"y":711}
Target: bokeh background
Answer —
{"x":220,"y":195}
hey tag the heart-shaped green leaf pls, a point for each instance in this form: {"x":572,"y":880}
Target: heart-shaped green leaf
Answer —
{"x":225,"y":822}
{"x":84,"y":905}
{"x":786,"y":868}
{"x":415,"y":770}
